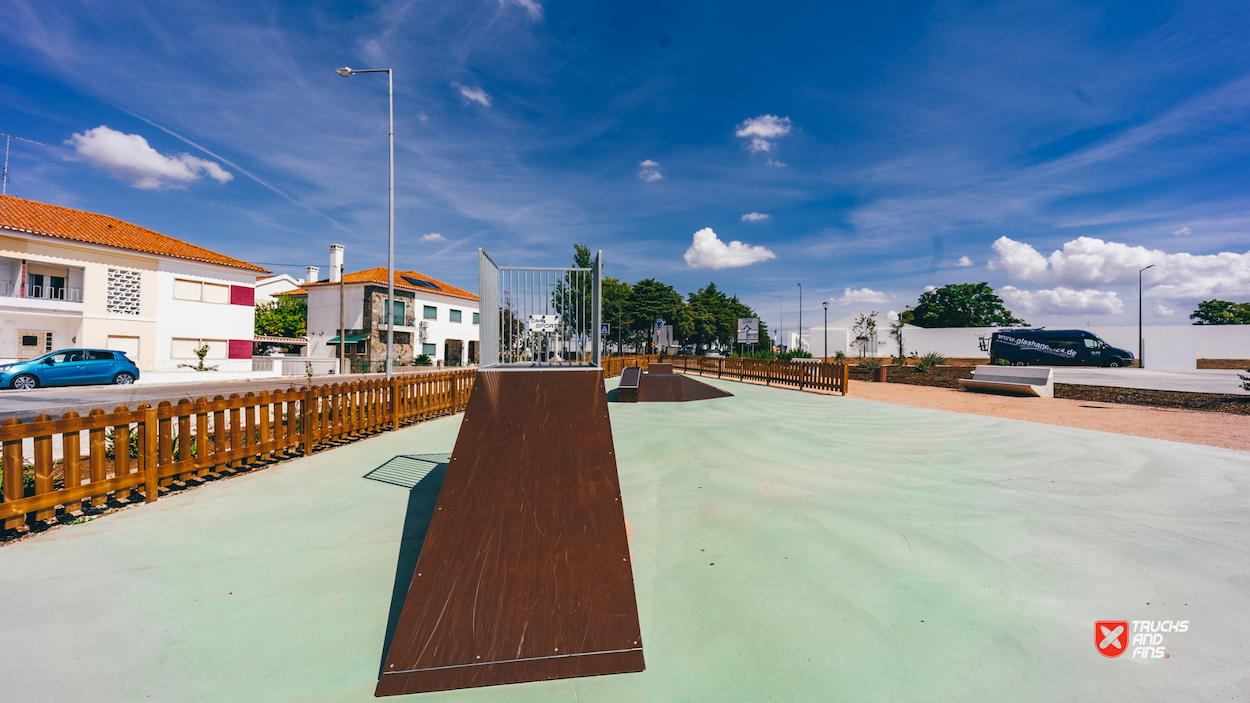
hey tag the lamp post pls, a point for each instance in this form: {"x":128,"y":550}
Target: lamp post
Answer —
{"x":1141,"y":346}
{"x":800,"y":316}
{"x":390,"y":241}
{"x":781,"y":320}
{"x":826,"y":349}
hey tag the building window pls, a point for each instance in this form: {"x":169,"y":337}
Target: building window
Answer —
{"x":198,"y":290}
{"x":362,"y":347}
{"x":429,"y":350}
{"x":182,"y":348}
{"x":123,"y":292}
{"x":455,"y":316}
{"x":476,"y":319}
{"x":431,"y":312}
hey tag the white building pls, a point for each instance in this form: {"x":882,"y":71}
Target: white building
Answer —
{"x":74,"y":279}
{"x":431,"y":317}
{"x":270,"y":288}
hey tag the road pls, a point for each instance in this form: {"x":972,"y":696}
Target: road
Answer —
{"x":1196,"y":381}
{"x":25,"y":405}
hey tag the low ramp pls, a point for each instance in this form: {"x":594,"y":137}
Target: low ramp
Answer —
{"x":525,"y":572}
{"x":1038,"y":382}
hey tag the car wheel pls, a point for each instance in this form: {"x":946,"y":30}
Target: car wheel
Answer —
{"x":124,"y":379}
{"x":1115,"y":364}
{"x":25,"y":382}
{"x":1019,"y":362}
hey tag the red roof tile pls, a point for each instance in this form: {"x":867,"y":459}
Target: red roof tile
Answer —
{"x":378,"y":276}
{"x":34,"y":217}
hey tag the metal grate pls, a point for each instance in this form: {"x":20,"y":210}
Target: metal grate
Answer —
{"x":539,"y":316}
{"x":407,"y":470}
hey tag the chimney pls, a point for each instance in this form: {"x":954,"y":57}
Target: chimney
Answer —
{"x":311,"y":273}
{"x":336,"y":262}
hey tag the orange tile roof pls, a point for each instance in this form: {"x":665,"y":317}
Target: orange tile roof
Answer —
{"x":34,"y":217}
{"x":378,"y":276}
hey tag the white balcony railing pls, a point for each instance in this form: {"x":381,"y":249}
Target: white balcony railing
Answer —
{"x":9,"y":289}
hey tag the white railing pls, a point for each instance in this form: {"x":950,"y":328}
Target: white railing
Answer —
{"x":295,"y":365}
{"x":539,"y":315}
{"x":10,"y":289}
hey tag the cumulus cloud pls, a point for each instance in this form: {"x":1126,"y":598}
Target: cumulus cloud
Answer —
{"x":755,"y":217}
{"x":648,"y":170}
{"x":534,"y":9}
{"x":963,"y":261}
{"x":864,"y":296}
{"x":1061,"y":301}
{"x":1085,"y":262}
{"x":763,"y":131}
{"x":472,"y":95}
{"x":775,"y":163}
{"x":708,"y":251}
{"x":433,"y":237}
{"x":930,"y":289}
{"x":1183,"y":232}
{"x":1163,"y":311}
{"x":128,"y":157}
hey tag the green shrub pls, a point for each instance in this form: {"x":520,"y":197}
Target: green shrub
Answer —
{"x":796,"y":354}
{"x":869,"y":364}
{"x":422,"y":360}
{"x":840,"y":355}
{"x":1245,"y":380}
{"x":1002,"y":362}
{"x":928,"y":361}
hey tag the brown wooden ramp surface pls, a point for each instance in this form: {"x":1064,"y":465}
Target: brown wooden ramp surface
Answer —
{"x":675,"y":388}
{"x":525,"y":573}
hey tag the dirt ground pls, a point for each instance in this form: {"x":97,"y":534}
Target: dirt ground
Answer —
{"x":1212,"y":429}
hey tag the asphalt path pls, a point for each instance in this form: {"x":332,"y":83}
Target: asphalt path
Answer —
{"x":1196,"y":381}
{"x":26,"y":405}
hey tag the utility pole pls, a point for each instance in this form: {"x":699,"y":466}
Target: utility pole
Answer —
{"x":1141,"y":348}
{"x":800,"y":316}
{"x":7,"y":138}
{"x":781,"y":321}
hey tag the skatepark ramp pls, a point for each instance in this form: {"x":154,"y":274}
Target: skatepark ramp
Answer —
{"x":525,"y":572}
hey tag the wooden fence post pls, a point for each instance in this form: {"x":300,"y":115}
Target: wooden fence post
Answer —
{"x":43,"y":469}
{"x":307,"y":425}
{"x":14,"y":486}
{"x":846,"y":377}
{"x":395,"y":403}
{"x":151,"y":454}
{"x":71,"y":462}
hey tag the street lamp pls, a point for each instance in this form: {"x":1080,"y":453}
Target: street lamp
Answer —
{"x":781,"y":319}
{"x":800,"y":316}
{"x":826,"y":349}
{"x":390,"y":242}
{"x":1141,"y":347}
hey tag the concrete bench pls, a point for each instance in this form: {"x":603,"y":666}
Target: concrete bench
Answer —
{"x":1016,"y":380}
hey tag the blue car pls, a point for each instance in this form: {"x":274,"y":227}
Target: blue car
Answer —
{"x":70,"y":367}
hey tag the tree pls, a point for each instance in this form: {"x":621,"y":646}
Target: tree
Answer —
{"x":284,"y":317}
{"x":615,"y":301}
{"x":651,"y":300}
{"x":865,"y":328}
{"x":961,"y":305}
{"x":1221,"y":312}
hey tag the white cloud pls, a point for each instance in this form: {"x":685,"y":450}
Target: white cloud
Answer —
{"x":929,"y":289}
{"x":864,"y":296}
{"x":963,"y":261}
{"x":708,"y":251}
{"x":423,"y":117}
{"x":534,"y":9}
{"x":128,"y":157}
{"x":755,"y":217}
{"x":648,"y":171}
{"x":1163,"y":311}
{"x":433,"y":237}
{"x":1086,"y":262}
{"x":774,"y":162}
{"x":475,"y":95}
{"x":1060,"y":301}
{"x":764,"y":131}
{"x":1183,"y":232}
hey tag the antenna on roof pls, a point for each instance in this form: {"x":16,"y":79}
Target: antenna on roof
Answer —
{"x":4,"y":190}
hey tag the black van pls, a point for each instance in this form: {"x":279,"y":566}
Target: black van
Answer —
{"x":1028,"y":347}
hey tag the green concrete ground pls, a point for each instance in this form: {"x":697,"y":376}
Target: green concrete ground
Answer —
{"x":787,"y":546}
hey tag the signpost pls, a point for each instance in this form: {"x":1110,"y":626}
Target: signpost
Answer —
{"x":544,"y":323}
{"x":605,"y":329}
{"x":748,"y":330}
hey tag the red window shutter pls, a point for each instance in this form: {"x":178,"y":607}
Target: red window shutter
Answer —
{"x":242,"y":295}
{"x":240,"y":349}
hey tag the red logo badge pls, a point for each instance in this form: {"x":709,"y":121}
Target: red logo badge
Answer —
{"x":1111,"y":637}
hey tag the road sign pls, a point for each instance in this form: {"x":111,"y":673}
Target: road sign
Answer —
{"x":605,"y":329}
{"x":544,"y":323}
{"x":748,"y":330}
{"x":659,"y":324}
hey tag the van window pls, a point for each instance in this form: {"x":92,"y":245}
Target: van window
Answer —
{"x":1063,"y":343}
{"x":1091,"y":343}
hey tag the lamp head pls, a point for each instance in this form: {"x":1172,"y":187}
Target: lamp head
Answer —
{"x":826,"y":304}
{"x":344,"y":72}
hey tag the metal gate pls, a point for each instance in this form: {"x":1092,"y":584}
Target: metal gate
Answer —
{"x":539,"y":316}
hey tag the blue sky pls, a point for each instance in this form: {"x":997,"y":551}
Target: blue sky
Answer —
{"x":866,"y":150}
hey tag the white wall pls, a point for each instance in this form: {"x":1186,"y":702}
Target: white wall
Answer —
{"x":1208,"y":341}
{"x":268,"y":289}
{"x":442,"y":329}
{"x":323,"y":316}
{"x":186,"y":319}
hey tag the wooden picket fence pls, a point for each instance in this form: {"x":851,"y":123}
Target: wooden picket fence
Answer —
{"x":194,"y":438}
{"x":802,"y":375}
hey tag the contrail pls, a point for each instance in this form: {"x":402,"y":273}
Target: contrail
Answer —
{"x":242,"y":170}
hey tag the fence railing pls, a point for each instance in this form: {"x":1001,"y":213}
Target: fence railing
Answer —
{"x":803,"y":375}
{"x":143,"y":449}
